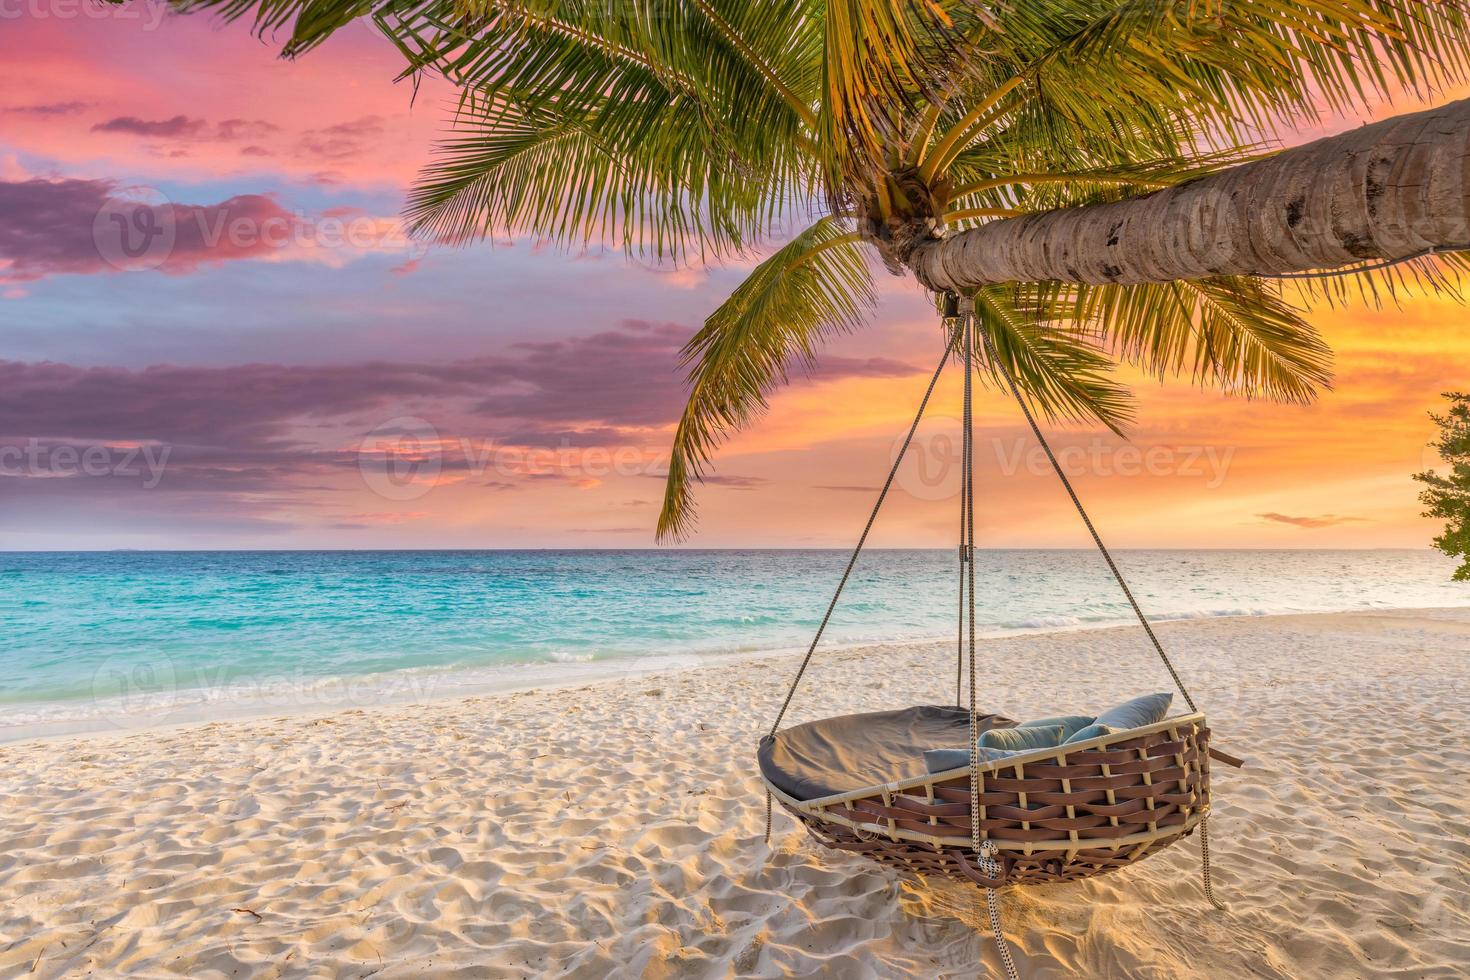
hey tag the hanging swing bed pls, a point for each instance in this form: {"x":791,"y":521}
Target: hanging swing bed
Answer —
{"x":1061,"y":812}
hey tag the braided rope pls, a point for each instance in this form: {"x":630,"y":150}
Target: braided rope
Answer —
{"x":962,"y":323}
{"x":1204,"y":857}
{"x":959,"y":658}
{"x":967,"y":548}
{"x":991,"y":867}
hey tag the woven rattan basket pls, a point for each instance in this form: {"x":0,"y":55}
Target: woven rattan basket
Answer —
{"x":1055,"y":814}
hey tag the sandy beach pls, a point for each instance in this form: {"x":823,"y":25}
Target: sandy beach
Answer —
{"x":614,"y":829}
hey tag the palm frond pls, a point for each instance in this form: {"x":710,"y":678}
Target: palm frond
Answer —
{"x":683,"y":144}
{"x":1056,"y":365}
{"x":677,"y":130}
{"x":1229,"y":62}
{"x":1234,"y":333}
{"x":654,"y":184}
{"x":816,"y":285}
{"x":878,"y":69}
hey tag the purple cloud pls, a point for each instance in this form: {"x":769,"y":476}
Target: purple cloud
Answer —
{"x":50,"y":109}
{"x":177,"y":127}
{"x":254,"y":437}
{"x":343,"y":140}
{"x":48,"y":227}
{"x":244,"y":129}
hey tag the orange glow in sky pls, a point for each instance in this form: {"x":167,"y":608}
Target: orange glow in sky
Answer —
{"x":542,"y":387}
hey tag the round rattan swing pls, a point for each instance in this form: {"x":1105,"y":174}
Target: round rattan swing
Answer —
{"x":1055,"y":814}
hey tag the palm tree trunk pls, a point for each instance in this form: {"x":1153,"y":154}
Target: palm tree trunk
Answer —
{"x":1384,"y":191}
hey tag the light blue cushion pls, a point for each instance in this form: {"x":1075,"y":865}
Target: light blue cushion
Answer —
{"x":1091,"y":731}
{"x":943,"y":760}
{"x":1071,"y":724}
{"x":1020,"y":738}
{"x":1147,"y":710}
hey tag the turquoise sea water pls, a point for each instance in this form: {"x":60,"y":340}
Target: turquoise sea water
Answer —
{"x":85,"y":632}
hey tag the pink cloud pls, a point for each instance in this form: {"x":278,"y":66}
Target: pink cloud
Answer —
{"x":59,"y":84}
{"x":1309,"y":522}
{"x":243,"y":129}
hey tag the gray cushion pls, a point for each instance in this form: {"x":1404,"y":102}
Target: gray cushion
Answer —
{"x":1022,"y":738}
{"x":1071,"y":724}
{"x":1147,"y":710}
{"x":1091,"y":731}
{"x":943,"y":760}
{"x":836,"y":755}
{"x":998,"y":743}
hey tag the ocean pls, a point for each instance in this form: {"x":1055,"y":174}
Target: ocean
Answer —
{"x":107,"y":640}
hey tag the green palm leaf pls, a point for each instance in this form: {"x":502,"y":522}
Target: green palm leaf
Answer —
{"x":1056,"y":365}
{"x":1229,"y":332}
{"x":816,"y":285}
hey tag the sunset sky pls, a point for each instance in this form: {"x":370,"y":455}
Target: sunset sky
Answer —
{"x":234,"y":393}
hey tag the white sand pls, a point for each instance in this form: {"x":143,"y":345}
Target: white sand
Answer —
{"x":615,"y":829}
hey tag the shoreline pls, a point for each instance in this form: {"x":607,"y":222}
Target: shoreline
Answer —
{"x":615,"y":829}
{"x":422,"y":686}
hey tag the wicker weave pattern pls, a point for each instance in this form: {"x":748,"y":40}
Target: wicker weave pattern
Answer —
{"x":1081,"y":811}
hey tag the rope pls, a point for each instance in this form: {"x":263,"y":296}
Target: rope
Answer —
{"x":992,"y":903}
{"x":986,"y":849}
{"x":1204,"y":858}
{"x":967,"y":545}
{"x":856,"y":551}
{"x":1082,"y":512}
{"x":768,"y":816}
{"x":952,"y":313}
{"x":959,"y":657}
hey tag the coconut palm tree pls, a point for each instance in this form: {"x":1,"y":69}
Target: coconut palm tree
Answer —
{"x":1095,"y":176}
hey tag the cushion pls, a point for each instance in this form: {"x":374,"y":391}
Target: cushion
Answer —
{"x":1020,"y":739}
{"x":838,"y":755}
{"x":1092,"y":731}
{"x":1071,"y":724}
{"x":943,"y":760}
{"x":1147,"y":710}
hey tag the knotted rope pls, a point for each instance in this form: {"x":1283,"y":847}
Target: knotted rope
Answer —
{"x":991,"y":866}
